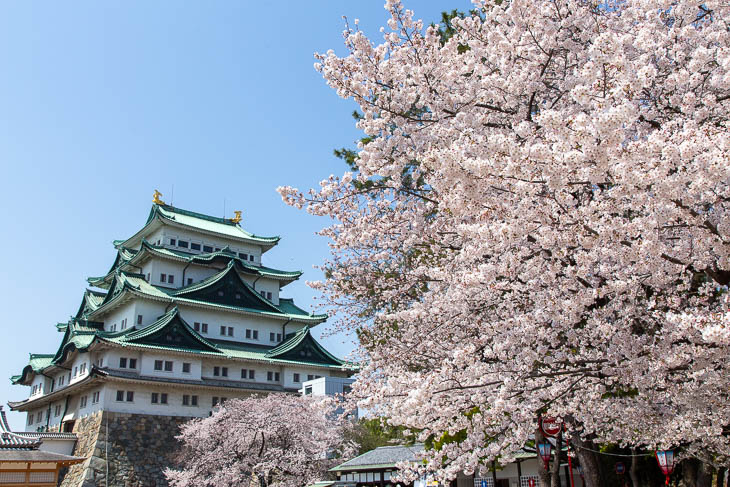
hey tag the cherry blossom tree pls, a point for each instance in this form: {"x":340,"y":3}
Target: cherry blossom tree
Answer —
{"x":538,"y":224}
{"x":283,"y":439}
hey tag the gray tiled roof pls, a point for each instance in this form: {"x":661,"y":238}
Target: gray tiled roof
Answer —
{"x":383,"y":456}
{"x":11,"y":441}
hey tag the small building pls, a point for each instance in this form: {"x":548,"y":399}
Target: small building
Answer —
{"x":24,"y":463}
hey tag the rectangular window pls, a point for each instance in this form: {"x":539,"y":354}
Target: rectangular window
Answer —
{"x":95,"y":397}
{"x":243,"y":256}
{"x":190,"y":280}
{"x":224,"y":371}
{"x":193,"y":400}
{"x":158,"y":364}
{"x":170,"y":279}
{"x":278,"y":337}
{"x":122,"y":363}
{"x":269,"y":376}
{"x":250,"y":257}
{"x":214,"y":402}
{"x":186,"y":400}
{"x":168,"y":366}
{"x":252,"y":374}
{"x":76,"y":371}
{"x":255,"y":334}
{"x":310,"y":377}
{"x":173,"y":241}
{"x":272,"y":337}
{"x":248,"y":333}
{"x":139,"y":319}
{"x":216,"y":371}
{"x":155,"y":398}
{"x":244,"y":374}
{"x":196,"y":326}
{"x":268,"y":295}
{"x":194,"y":246}
{"x":163,"y":398}
{"x":223,"y":330}
{"x":132,"y":363}
{"x":207,"y":248}
{"x":57,"y":411}
{"x":120,"y":395}
{"x":31,"y":419}
{"x":182,"y":243}
{"x":186,"y":367}
{"x":130,"y":396}
{"x":204,"y":327}
{"x":296,"y":377}
{"x":163,"y":277}
{"x":230,"y":331}
{"x":308,"y":390}
{"x":276,"y":376}
{"x":217,"y":249}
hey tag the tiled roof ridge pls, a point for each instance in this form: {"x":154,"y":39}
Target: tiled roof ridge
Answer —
{"x":202,"y":216}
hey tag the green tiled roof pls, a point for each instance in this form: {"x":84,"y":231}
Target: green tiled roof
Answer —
{"x":223,"y":227}
{"x":135,"y":283}
{"x":172,"y":333}
{"x":127,"y":259}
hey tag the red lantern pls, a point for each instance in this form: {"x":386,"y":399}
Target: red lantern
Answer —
{"x":543,"y":449}
{"x":665,"y":459}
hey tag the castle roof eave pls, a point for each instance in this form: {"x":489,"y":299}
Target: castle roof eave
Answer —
{"x":198,"y":222}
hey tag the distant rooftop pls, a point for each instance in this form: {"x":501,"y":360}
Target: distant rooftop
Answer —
{"x":382,"y":457}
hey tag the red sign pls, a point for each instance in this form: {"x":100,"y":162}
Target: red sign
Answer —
{"x":531,"y":482}
{"x":550,"y":426}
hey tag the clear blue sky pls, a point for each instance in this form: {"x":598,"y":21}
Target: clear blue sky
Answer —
{"x":102,"y":102}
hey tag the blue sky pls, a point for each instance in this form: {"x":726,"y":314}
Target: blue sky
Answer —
{"x":102,"y":102}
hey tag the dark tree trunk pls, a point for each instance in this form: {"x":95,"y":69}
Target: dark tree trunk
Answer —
{"x":587,"y":458}
{"x":541,"y":470}
{"x":720,"y":482}
{"x":555,"y":467}
{"x":704,"y":475}
{"x":634,"y":469}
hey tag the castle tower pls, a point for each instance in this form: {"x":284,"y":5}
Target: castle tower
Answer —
{"x":186,"y":317}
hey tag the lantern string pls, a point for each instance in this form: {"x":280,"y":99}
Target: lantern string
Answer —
{"x":648,"y":454}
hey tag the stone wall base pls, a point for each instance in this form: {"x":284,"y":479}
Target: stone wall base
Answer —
{"x":139,"y":448}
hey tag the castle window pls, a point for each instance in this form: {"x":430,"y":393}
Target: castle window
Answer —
{"x":173,"y":241}
{"x":190,"y":400}
{"x":83,"y":401}
{"x":272,"y":337}
{"x":139,"y":317}
{"x":76,"y":371}
{"x":95,"y":397}
{"x":308,"y":391}
{"x":120,"y":396}
{"x":122,"y":363}
{"x":255,"y":334}
{"x":243,"y":256}
{"x":217,"y":249}
{"x":223,"y":330}
{"x":268,"y":295}
{"x":278,"y":337}
{"x":310,"y":377}
{"x":130,"y":396}
{"x":182,"y":243}
{"x":230,"y":331}
{"x":243,"y":374}
{"x":195,"y":246}
{"x":186,"y":367}
{"x":214,"y":402}
{"x":190,"y":280}
{"x":252,"y":374}
{"x":248,"y":333}
{"x":224,"y":371}
{"x":163,"y":398}
{"x":158,"y":364}
{"x":170,"y":279}
{"x":207,"y":248}
{"x":193,"y":400}
{"x":31,"y":418}
{"x":196,"y":326}
{"x":204,"y":327}
{"x":250,"y":257}
{"x":168,"y":366}
{"x":132,"y":363}
{"x":216,"y":371}
{"x":163,"y":277}
{"x":82,"y":369}
{"x":155,"y":398}
{"x":269,"y":376}
{"x":296,"y":378}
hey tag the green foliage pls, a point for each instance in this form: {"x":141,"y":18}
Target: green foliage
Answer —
{"x":371,"y":433}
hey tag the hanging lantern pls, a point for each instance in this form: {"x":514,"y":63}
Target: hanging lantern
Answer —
{"x":665,"y":459}
{"x":543,"y":449}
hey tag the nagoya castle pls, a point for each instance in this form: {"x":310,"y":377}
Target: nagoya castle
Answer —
{"x":186,"y":317}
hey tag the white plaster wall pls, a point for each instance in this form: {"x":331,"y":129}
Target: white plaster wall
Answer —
{"x":58,"y":445}
{"x":75,"y":364}
{"x":117,"y":315}
{"x":150,"y":311}
{"x":240,"y":324}
{"x":269,"y":285}
{"x":147,"y":366}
